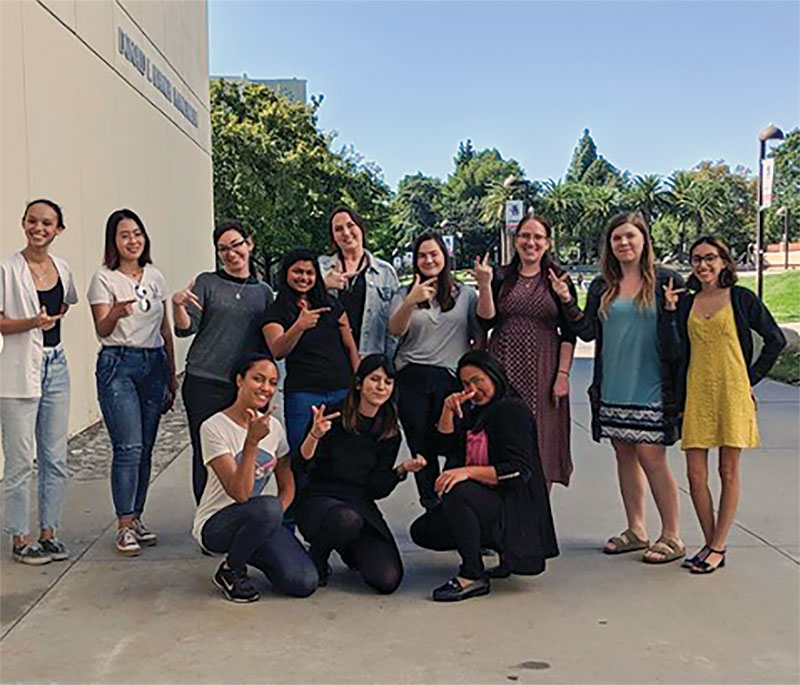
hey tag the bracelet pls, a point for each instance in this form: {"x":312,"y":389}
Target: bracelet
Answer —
{"x":566,"y":373}
{"x":316,"y":437}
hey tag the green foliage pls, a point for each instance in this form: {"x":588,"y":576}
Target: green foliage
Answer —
{"x":582,"y":157}
{"x":787,"y":189}
{"x":666,"y":233}
{"x":414,"y":207}
{"x":275,"y":171}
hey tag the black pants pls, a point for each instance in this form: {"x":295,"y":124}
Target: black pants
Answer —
{"x":422,"y":391}
{"x":203,"y":398}
{"x":251,"y":533}
{"x":465,"y":521}
{"x":328,"y":524}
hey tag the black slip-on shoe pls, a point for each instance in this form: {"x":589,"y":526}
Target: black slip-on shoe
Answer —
{"x":500,"y":571}
{"x":452,"y":591}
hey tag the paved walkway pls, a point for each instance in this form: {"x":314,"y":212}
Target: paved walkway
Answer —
{"x":589,"y":619}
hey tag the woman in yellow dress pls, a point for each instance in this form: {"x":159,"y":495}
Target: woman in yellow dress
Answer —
{"x":718,"y":376}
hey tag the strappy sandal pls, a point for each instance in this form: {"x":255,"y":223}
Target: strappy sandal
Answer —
{"x":703,"y":567}
{"x":688,"y":562}
{"x":626,"y":541}
{"x":668,"y":550}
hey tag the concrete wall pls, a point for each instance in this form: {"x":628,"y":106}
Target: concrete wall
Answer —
{"x":80,"y":124}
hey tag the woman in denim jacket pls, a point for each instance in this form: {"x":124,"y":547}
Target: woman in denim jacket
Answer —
{"x":363,"y":283}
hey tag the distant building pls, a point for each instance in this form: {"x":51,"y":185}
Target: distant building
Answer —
{"x":775,"y":255}
{"x":292,"y":88}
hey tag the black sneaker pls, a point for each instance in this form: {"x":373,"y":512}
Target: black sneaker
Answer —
{"x":452,"y":591}
{"x":235,"y":585}
{"x":31,"y":554}
{"x":55,"y":548}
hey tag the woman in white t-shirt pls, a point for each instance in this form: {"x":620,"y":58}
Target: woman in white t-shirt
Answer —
{"x":242,"y":446}
{"x":135,"y":368}
{"x":36,"y":289}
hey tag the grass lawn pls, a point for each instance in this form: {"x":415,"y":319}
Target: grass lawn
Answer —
{"x":781,"y":294}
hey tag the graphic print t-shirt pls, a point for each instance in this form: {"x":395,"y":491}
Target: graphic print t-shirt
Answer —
{"x":221,"y":435}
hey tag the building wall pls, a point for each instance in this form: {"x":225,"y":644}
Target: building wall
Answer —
{"x":80,"y":124}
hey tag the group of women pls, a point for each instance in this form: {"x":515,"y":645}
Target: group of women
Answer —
{"x":364,"y":357}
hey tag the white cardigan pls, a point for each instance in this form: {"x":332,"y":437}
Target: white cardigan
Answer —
{"x":21,"y":356}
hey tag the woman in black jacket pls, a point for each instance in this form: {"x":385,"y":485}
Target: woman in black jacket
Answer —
{"x":493,"y":488}
{"x":350,"y":464}
{"x":716,"y":386}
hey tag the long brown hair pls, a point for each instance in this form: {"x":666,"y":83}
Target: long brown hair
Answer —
{"x":612,"y":271}
{"x":511,"y":270}
{"x":444,"y":281}
{"x":385,"y":425}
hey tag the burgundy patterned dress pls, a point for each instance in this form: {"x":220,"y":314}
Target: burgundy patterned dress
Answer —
{"x":525,"y":341}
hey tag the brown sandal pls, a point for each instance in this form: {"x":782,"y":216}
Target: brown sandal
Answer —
{"x":669,"y":550}
{"x":626,"y":541}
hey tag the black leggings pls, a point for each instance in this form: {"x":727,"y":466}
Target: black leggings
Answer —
{"x":202,"y":399}
{"x":252,"y":533}
{"x":328,"y":524}
{"x":465,"y":521}
{"x":422,"y":390}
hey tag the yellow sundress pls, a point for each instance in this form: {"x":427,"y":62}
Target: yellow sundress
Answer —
{"x":719,"y":410}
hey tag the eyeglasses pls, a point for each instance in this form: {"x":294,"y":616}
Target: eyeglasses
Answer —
{"x":142,"y":293}
{"x":709,"y":259}
{"x":224,"y":249}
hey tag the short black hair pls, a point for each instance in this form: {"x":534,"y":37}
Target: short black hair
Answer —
{"x":244,"y":363}
{"x":229,"y":225}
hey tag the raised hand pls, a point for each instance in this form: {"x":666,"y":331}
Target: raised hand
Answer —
{"x":258,"y":425}
{"x":187,"y":297}
{"x":671,"y":294}
{"x":321,"y":424}
{"x":559,"y":285}
{"x":482,"y":271}
{"x":309,"y":318}
{"x":453,"y":402}
{"x":338,"y":279}
{"x":421,"y":291}
{"x":45,"y":321}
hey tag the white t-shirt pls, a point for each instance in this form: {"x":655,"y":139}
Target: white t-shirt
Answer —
{"x":143,"y":327}
{"x":222,"y":435}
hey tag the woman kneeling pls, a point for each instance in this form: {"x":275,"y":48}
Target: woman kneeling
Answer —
{"x":350,"y":465}
{"x":493,"y":489}
{"x":241,"y":446}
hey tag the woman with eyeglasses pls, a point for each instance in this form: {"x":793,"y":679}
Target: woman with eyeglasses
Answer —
{"x":715,"y":324}
{"x":135,"y":367}
{"x":225,"y":311}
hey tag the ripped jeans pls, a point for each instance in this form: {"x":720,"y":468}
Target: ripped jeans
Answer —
{"x":131,"y":388}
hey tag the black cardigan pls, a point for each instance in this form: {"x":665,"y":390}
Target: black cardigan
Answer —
{"x":526,"y":532}
{"x":355,"y":468}
{"x":588,"y":325}
{"x":750,"y":314}
{"x":565,"y":332}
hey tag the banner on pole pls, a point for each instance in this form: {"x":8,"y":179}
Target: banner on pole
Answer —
{"x":767,"y":176}
{"x":514,"y":211}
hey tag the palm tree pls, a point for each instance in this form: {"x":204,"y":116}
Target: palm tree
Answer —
{"x":647,"y":195}
{"x":599,"y":204}
{"x":692,"y":199}
{"x":558,"y":203}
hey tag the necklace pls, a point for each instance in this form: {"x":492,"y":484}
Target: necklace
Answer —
{"x":238,"y":293}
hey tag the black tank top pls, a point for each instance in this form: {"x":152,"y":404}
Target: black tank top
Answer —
{"x":52,"y":300}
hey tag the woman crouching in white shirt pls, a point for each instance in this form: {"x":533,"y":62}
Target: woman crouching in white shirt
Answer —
{"x":242,"y":446}
{"x":36,"y":289}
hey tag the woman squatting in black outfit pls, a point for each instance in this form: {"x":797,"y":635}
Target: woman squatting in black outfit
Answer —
{"x":493,"y":488}
{"x":350,"y":464}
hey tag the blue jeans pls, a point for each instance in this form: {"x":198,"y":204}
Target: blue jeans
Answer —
{"x":131,"y":387}
{"x":297,"y":412}
{"x":43,"y":419}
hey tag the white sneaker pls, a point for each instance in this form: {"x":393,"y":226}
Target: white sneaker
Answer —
{"x":127,"y":543}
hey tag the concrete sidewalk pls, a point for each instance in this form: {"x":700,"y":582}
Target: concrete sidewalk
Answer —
{"x":590,"y":618}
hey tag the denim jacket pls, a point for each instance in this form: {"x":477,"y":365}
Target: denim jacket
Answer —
{"x":382,"y":282}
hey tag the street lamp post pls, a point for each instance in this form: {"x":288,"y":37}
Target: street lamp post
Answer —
{"x":772,"y":132}
{"x":784,"y":212}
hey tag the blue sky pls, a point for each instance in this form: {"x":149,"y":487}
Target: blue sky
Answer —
{"x":661,"y":85}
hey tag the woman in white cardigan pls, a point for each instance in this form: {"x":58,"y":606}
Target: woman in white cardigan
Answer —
{"x":36,"y":289}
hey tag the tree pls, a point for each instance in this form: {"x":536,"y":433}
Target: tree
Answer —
{"x":646,"y":195}
{"x":414,"y":208}
{"x":787,"y":188}
{"x":582,"y":157}
{"x":560,"y":203}
{"x":275,"y":170}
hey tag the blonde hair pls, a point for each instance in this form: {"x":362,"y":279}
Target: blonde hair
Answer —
{"x":612,"y":271}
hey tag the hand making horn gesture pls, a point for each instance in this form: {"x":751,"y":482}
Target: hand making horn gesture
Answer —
{"x":321,"y":424}
{"x":482,"y":271}
{"x":560,"y":286}
{"x":338,"y":279}
{"x":258,"y":425}
{"x":421,"y":291}
{"x":453,"y":402}
{"x":671,"y":295}
{"x":309,"y":318}
{"x":45,"y":321}
{"x":187,"y":297}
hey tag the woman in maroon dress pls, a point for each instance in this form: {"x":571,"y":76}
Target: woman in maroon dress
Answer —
{"x":531,"y":339}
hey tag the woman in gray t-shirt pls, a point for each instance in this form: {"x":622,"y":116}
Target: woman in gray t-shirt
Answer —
{"x":225,"y":311}
{"x":436,"y":321}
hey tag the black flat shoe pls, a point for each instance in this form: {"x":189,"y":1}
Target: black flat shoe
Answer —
{"x":689,"y":562}
{"x":704,"y":568}
{"x":500,"y":571}
{"x":452,"y":591}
